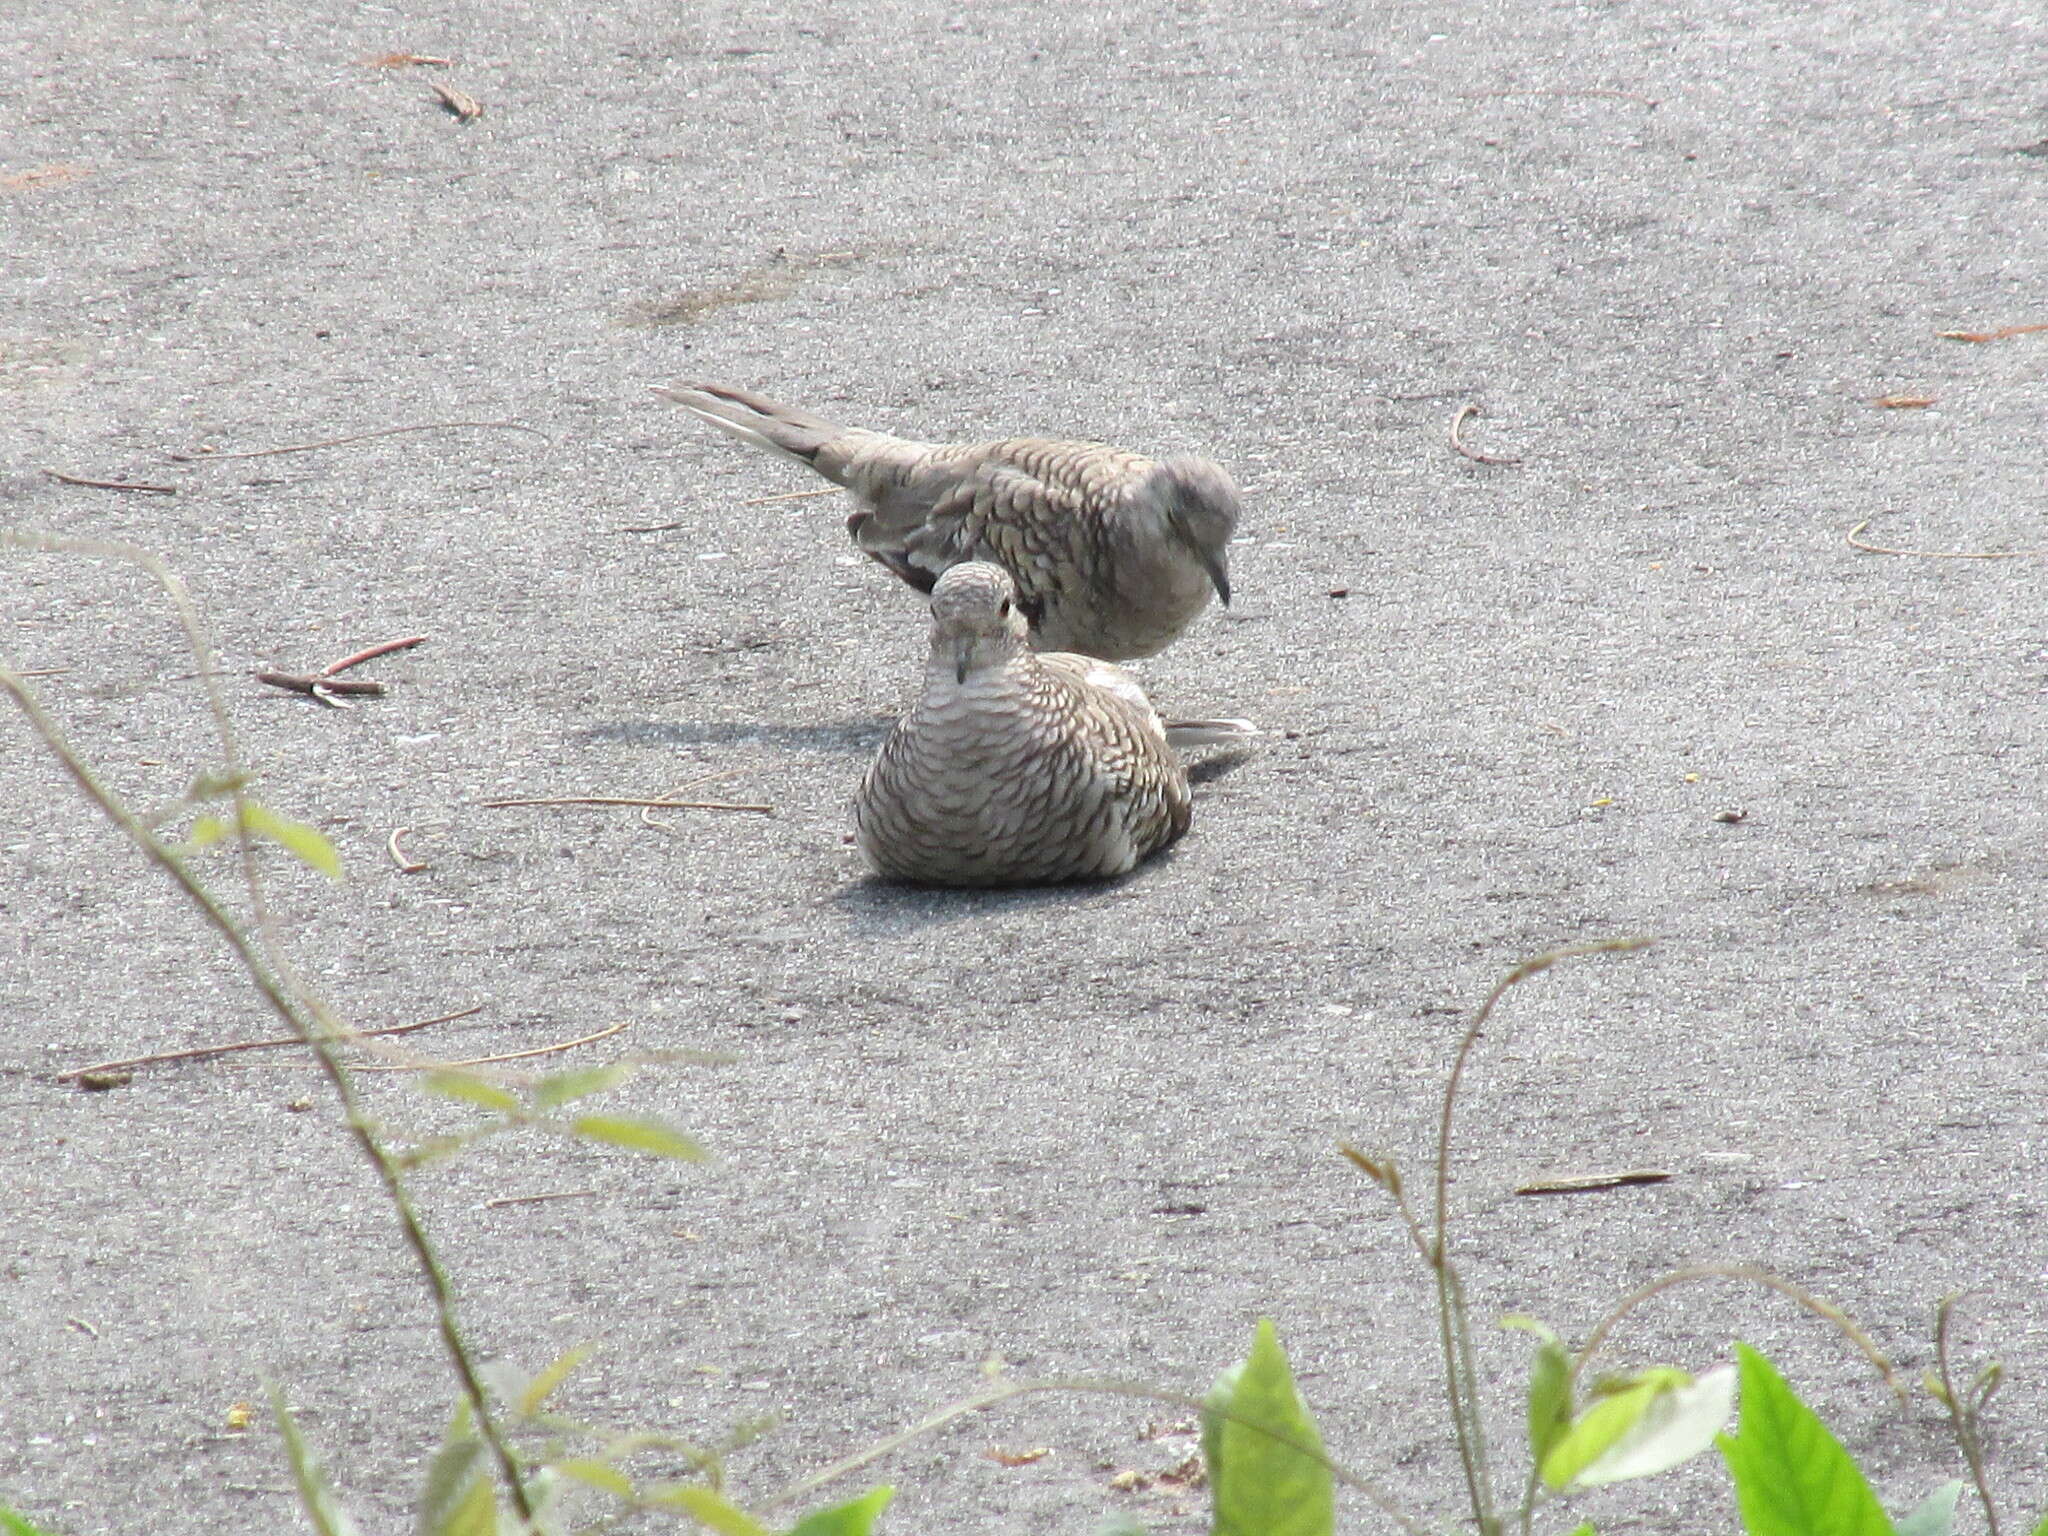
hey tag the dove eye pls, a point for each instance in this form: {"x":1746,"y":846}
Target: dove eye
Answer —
{"x":1005,"y":609}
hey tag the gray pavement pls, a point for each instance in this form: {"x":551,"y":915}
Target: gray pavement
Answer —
{"x":1674,"y":254}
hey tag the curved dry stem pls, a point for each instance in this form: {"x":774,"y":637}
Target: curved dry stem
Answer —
{"x":1962,"y":1416}
{"x":265,"y":962}
{"x":1461,"y":1374}
{"x":1386,"y":1173}
{"x":1100,"y":1386}
{"x":1750,"y":1272}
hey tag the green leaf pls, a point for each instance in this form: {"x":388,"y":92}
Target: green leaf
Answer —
{"x":468,"y":1088}
{"x":1679,"y":1423}
{"x":593,"y":1473}
{"x":457,"y":1500}
{"x":206,"y":831}
{"x":2042,"y":1528}
{"x":304,"y":843}
{"x":639,"y":1136}
{"x":1550,"y":1388}
{"x":316,"y":1497}
{"x":1585,"y":1529}
{"x":545,"y":1491}
{"x":1934,"y":1515}
{"x":12,"y":1524}
{"x":856,"y":1517}
{"x":472,"y":1512}
{"x":1267,"y":1475}
{"x":711,"y":1510}
{"x":1792,"y":1478}
{"x":1595,"y":1430}
{"x":552,"y":1375}
{"x":554,"y":1091}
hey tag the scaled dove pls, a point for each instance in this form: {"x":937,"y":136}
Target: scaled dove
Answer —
{"x":1113,"y":554}
{"x":1015,"y":767}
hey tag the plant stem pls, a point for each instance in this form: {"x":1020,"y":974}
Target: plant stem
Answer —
{"x":1962,"y":1416}
{"x":1749,"y":1272}
{"x":1461,"y":1376}
{"x":268,"y":968}
{"x":1461,"y":1370}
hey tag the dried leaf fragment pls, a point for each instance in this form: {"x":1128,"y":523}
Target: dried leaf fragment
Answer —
{"x":405,"y":61}
{"x":1904,"y":402}
{"x":44,"y":176}
{"x":464,"y":106}
{"x":1017,"y":1458}
{"x":1578,"y":1183}
{"x":2003,"y":333}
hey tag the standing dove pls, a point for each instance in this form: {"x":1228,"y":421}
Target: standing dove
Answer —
{"x":1113,"y":554}
{"x":1015,"y":767}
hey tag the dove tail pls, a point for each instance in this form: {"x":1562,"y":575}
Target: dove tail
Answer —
{"x":1209,"y":733}
{"x":780,"y":429}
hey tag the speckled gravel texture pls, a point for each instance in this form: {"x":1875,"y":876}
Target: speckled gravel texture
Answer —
{"x":1673,"y":253}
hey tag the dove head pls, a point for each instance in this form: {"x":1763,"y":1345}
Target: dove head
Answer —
{"x":1200,"y":503}
{"x":975,"y":618}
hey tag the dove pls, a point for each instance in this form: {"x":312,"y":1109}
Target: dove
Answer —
{"x":1016,"y":767}
{"x":1113,"y":554}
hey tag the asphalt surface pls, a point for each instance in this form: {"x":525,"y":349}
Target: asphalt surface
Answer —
{"x":1636,"y":683}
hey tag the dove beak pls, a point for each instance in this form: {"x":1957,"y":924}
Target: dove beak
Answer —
{"x":963,"y":658}
{"x":1219,"y":573}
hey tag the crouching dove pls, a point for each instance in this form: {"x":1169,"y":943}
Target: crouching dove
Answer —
{"x":1113,"y":554}
{"x":1015,"y":767}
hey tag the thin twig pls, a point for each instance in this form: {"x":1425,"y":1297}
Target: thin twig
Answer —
{"x":1648,"y":101}
{"x":764,"y":501}
{"x":1962,"y":1416}
{"x":561,"y":1194}
{"x":465,"y":106}
{"x":1458,"y":443}
{"x":199,"y":1052}
{"x":360,"y":437}
{"x":1580,"y":1183}
{"x":1940,"y":554}
{"x":1749,"y":1272}
{"x":406,"y":866}
{"x":83,"y":1326}
{"x":650,"y":528}
{"x":647,"y":811}
{"x":2003,"y":333}
{"x":299,"y":683}
{"x":484,"y":1061}
{"x":371,"y":653}
{"x":112,"y":485}
{"x":44,"y":672}
{"x":659,"y":805}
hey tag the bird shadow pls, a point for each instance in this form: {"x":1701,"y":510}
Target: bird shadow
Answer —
{"x":892,"y":907}
{"x":1210,"y":769}
{"x":842,"y":736}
